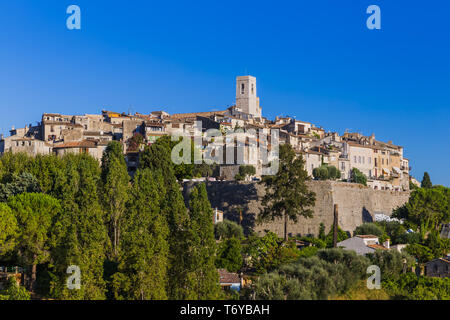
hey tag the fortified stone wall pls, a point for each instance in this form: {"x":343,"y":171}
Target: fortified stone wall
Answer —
{"x":357,"y":204}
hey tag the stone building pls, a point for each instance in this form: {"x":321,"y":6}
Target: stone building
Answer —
{"x":383,"y":163}
{"x":438,"y":268}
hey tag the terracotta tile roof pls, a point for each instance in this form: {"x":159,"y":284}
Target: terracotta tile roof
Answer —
{"x":77,"y":144}
{"x":446,"y":260}
{"x":377,"y":247}
{"x":366,"y":236}
{"x":195,"y":114}
{"x":153,"y":124}
{"x":228,"y":277}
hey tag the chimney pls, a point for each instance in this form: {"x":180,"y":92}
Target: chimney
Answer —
{"x":386,"y":244}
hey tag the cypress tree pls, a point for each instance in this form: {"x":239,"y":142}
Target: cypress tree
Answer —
{"x":80,"y":235}
{"x":176,"y":214}
{"x":142,"y":271}
{"x":426,"y":181}
{"x":203,"y":276}
{"x":115,"y":181}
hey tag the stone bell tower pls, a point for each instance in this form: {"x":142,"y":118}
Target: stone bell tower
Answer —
{"x":246,"y":97}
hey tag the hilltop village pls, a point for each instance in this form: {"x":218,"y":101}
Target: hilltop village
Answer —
{"x":382,"y":163}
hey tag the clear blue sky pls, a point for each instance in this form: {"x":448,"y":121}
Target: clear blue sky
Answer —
{"x":312,"y":59}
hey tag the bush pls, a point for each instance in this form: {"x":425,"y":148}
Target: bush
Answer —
{"x":369,"y":228}
{"x":420,"y":252}
{"x":227,"y":229}
{"x":13,"y":291}
{"x":391,"y":262}
{"x":229,"y":255}
{"x":320,"y":173}
{"x":319,"y":243}
{"x":331,"y":272}
{"x":358,"y":177}
{"x":325,"y":172}
{"x":244,"y":171}
{"x":269,"y":252}
{"x":341,"y":236}
{"x":410,"y":286}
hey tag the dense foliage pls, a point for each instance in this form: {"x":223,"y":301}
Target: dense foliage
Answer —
{"x":325,"y":172}
{"x":131,"y":238}
{"x":330,"y":272}
{"x":357,"y":176}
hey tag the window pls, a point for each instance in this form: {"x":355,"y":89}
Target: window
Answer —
{"x":242,"y":88}
{"x":382,"y":161}
{"x":253,"y":88}
{"x":359,"y":159}
{"x":369,"y":159}
{"x":343,"y":166}
{"x":363,"y":158}
{"x":355,"y":159}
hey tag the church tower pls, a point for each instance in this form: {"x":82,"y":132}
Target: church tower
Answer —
{"x":246,"y":99}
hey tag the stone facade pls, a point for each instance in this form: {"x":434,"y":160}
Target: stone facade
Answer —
{"x":357,"y":204}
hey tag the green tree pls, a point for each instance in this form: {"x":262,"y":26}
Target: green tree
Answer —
{"x":34,"y":213}
{"x":244,"y":171}
{"x":115,"y":191}
{"x":358,"y":177}
{"x":426,"y":181}
{"x":229,"y":256}
{"x":287,"y":195}
{"x":427,"y":209}
{"x":369,"y":229}
{"x":438,"y":246}
{"x":227,"y":229}
{"x":391,"y":262}
{"x":21,"y":183}
{"x":322,"y":235}
{"x":341,"y":236}
{"x":325,"y":172}
{"x":330,"y":272}
{"x":135,"y":141}
{"x":203,"y":275}
{"x":144,"y":258}
{"x":422,"y":253}
{"x":8,"y":229}
{"x":175,"y":211}
{"x":80,"y":235}
{"x":320,"y":173}
{"x":157,"y":158}
{"x":13,"y":291}
{"x":267,"y":253}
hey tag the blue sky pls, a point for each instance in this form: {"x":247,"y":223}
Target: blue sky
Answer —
{"x":315,"y":60}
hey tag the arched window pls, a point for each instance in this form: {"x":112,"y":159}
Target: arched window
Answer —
{"x":242,"y":88}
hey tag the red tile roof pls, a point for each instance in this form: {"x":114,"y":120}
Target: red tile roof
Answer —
{"x":228,"y":277}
